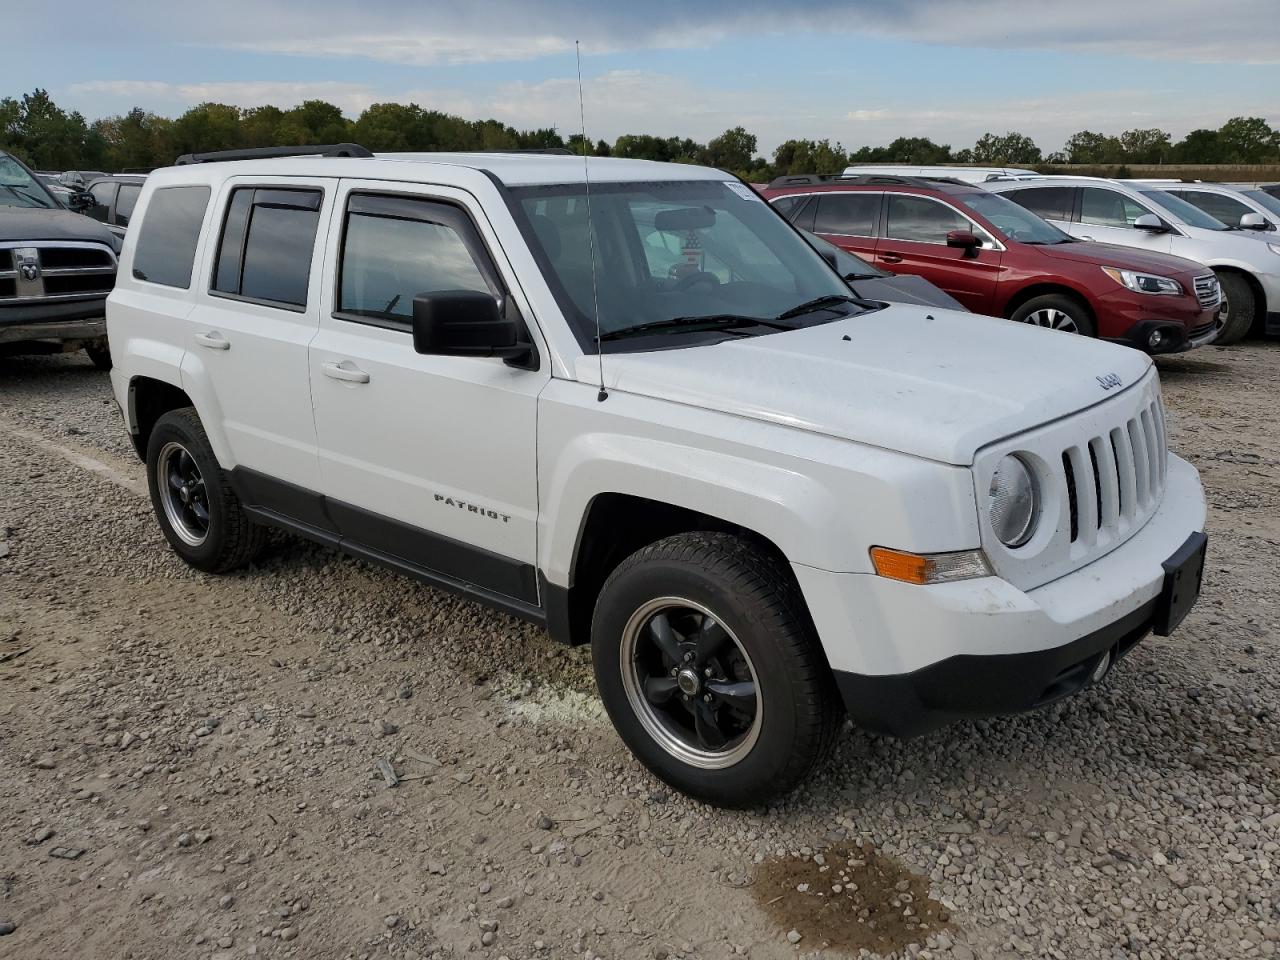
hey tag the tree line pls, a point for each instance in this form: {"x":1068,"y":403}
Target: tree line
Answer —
{"x":36,"y":129}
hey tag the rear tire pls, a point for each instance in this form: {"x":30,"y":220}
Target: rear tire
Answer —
{"x":199,"y":513}
{"x":1057,"y":311}
{"x":751,"y":708}
{"x":100,"y":354}
{"x":1239,"y":310}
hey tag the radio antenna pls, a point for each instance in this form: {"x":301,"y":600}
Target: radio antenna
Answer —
{"x":591,"y":230}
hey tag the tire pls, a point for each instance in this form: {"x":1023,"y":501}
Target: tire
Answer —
{"x":1240,"y":309}
{"x":178,"y":451}
{"x":718,"y":588}
{"x":1057,"y":311}
{"x":100,"y":354}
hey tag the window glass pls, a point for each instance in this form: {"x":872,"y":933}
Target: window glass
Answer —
{"x":922,"y":219}
{"x":851,"y":214}
{"x":1107,"y":208}
{"x":395,"y":250}
{"x":167,"y":239}
{"x":102,"y":194}
{"x":1220,"y":207}
{"x":1186,"y":212}
{"x":1013,"y":220}
{"x":1051,"y":203}
{"x":125,"y":203}
{"x":267,"y":244}
{"x":1266,"y":200}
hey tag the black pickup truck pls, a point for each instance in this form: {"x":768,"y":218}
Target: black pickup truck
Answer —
{"x":56,"y":269}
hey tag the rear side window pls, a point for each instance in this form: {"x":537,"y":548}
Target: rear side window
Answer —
{"x":1048,"y":203}
{"x":103,"y":194}
{"x":168,"y":236}
{"x":849,"y":214}
{"x":125,"y":202}
{"x":268,"y":237}
{"x":394,"y":248}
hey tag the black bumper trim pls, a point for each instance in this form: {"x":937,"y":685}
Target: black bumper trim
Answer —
{"x":968,"y":685}
{"x":1177,"y":338}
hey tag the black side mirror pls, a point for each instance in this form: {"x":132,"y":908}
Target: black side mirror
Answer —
{"x":465,"y":323}
{"x":80,"y":201}
{"x":965,"y":240}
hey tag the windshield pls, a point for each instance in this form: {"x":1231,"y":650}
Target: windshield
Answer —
{"x":671,"y":250}
{"x":1014,"y":221}
{"x":1192,"y":216}
{"x":18,"y":188}
{"x":1264,"y":199}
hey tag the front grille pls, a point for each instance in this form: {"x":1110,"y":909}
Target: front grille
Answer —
{"x":50,"y":270}
{"x":1208,"y":292}
{"x":1116,"y":479}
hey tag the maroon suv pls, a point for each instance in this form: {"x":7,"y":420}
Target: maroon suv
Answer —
{"x":999,"y":259}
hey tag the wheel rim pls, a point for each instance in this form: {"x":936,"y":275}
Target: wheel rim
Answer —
{"x":1052,"y":318}
{"x":1223,"y":312}
{"x":183,"y":494}
{"x":691,"y":683}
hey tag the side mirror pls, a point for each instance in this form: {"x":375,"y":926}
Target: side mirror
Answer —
{"x":80,"y":201}
{"x":464,"y":323}
{"x":1253,"y":221}
{"x":1149,"y":221}
{"x":964,"y":240}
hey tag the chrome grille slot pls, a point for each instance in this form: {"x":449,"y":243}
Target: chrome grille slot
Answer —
{"x":1208,"y":292}
{"x":50,"y":270}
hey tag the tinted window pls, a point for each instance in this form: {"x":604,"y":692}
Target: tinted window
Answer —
{"x":1051,"y":203}
{"x":167,"y":239}
{"x":1264,"y":199}
{"x":1107,"y":208}
{"x":102,"y":194}
{"x":1220,"y":207}
{"x":789,"y":206}
{"x":394,"y":249}
{"x":125,"y":202}
{"x":922,"y":219}
{"x":267,"y":241}
{"x":1014,"y":220}
{"x":852,"y":214}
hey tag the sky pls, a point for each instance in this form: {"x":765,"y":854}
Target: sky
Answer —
{"x":860,"y":72}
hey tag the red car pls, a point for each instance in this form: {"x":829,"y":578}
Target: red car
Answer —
{"x":1000,"y":259}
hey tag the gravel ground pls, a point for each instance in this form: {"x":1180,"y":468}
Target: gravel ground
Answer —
{"x":190,"y":762}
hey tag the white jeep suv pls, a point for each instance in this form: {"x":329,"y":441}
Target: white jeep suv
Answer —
{"x":648,"y":415}
{"x":1137,"y":214}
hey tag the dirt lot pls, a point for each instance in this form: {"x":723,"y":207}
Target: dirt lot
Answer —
{"x":210,"y":747}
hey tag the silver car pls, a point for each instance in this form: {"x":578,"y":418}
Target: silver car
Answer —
{"x":1135,"y":214}
{"x":1245,"y":207}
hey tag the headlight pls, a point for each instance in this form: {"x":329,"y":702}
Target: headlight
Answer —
{"x":1143,"y":282}
{"x":1275,"y":247}
{"x":1012,"y":502}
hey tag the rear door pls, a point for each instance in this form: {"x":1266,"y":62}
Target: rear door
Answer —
{"x":914,"y":242}
{"x":849,"y":220}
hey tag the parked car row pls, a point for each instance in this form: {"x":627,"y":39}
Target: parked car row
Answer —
{"x":1173,"y":265}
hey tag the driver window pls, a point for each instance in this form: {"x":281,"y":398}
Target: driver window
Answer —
{"x":1107,"y":208}
{"x":923,"y":220}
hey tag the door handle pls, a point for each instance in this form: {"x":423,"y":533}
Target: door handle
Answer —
{"x":890,"y":258}
{"x":1083,"y":237}
{"x":213,"y":340}
{"x":349,"y":374}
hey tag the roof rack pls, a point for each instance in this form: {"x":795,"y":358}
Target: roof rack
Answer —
{"x":865,"y":179}
{"x":262,"y":153}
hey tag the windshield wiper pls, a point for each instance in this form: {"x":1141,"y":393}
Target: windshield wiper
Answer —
{"x":815,"y":304}
{"x":23,"y":195}
{"x":713,"y":321}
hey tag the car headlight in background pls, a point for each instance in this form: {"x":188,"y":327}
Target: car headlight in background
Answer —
{"x":1143,"y":282}
{"x":1013,"y":502}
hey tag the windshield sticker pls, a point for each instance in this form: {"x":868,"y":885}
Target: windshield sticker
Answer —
{"x":742,"y":190}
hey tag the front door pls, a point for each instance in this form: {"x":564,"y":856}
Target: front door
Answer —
{"x":1108,"y":216}
{"x":427,"y":460}
{"x":914,"y":241}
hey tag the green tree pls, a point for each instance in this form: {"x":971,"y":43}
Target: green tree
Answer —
{"x":919,"y":150}
{"x":1011,"y":148}
{"x":1089,"y":147}
{"x":1249,"y":140}
{"x":1146,"y":146}
{"x":1200,"y":146}
{"x":732,"y":150}
{"x":209,"y":126}
{"x":318,"y":122}
{"x":809,"y":156}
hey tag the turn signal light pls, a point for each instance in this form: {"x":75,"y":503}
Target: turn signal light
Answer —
{"x":923,"y":568}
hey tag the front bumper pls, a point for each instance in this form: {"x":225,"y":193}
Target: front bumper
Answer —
{"x":1130,"y":319}
{"x":908,"y":659}
{"x":92,"y":328}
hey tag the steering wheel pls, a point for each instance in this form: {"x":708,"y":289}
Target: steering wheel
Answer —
{"x":700,"y":276}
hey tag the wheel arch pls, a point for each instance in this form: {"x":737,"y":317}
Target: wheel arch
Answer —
{"x":1259,"y":294}
{"x":1046,"y":288}
{"x":149,"y":399}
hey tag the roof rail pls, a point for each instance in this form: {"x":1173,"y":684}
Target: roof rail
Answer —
{"x":865,"y":179}
{"x":552,"y":151}
{"x":262,"y":153}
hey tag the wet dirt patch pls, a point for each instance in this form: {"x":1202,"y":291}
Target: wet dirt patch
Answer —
{"x":848,"y":898}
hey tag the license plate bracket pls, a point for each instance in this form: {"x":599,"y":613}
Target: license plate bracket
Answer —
{"x":1183,"y":575}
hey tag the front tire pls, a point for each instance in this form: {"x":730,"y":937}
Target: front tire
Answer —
{"x":100,"y":354}
{"x":1056,"y":311}
{"x":198,"y":511}
{"x":710,"y":670}
{"x":1239,"y":308}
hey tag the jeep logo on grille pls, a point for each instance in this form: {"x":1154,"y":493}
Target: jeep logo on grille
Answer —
{"x":29,"y":268}
{"x":1109,"y":381}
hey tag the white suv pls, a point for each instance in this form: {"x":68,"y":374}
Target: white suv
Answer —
{"x":670,"y":433}
{"x":1135,"y":214}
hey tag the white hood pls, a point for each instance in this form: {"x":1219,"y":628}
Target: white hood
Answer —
{"x":937,"y":384}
